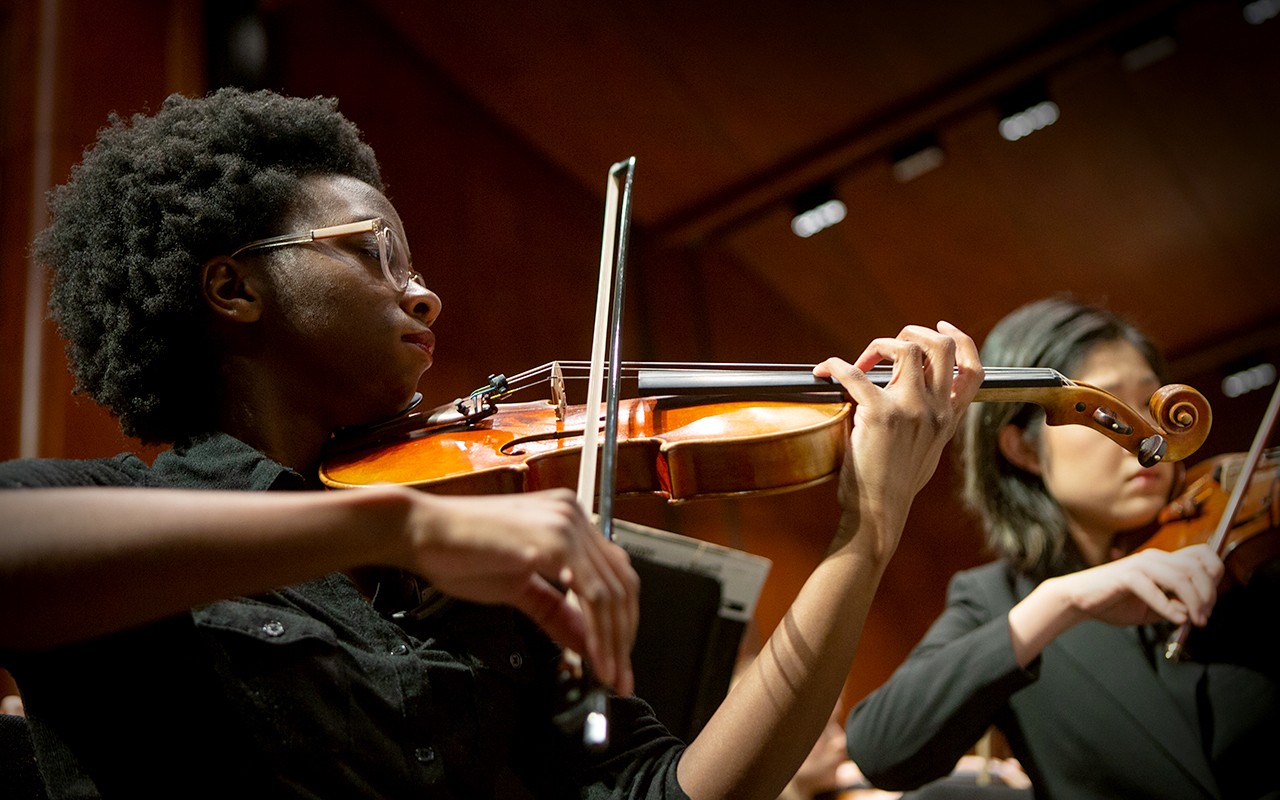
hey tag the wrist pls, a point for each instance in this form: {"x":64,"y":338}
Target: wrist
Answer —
{"x":383,"y":517}
{"x":873,"y":537}
{"x":1041,"y":617}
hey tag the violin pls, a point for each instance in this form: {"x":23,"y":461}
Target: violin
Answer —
{"x":1191,"y":517}
{"x":1240,"y":529}
{"x":695,"y":431}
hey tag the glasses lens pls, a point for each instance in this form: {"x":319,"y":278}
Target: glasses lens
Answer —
{"x":395,"y":258}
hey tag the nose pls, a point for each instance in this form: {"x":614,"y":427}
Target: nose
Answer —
{"x":421,"y":302}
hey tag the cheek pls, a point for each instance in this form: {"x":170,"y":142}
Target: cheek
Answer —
{"x":300,"y":303}
{"x":341,"y":308}
{"x":1077,"y":461}
{"x":1071,"y":448}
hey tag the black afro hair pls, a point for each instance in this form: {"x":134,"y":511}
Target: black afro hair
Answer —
{"x":152,"y":200}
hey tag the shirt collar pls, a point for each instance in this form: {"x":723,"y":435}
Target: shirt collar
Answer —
{"x":221,"y":461}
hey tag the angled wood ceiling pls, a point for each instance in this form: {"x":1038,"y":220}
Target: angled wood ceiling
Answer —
{"x":1156,"y":190}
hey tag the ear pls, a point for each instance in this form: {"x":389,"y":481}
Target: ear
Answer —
{"x":229,"y":288}
{"x":1020,"y":452}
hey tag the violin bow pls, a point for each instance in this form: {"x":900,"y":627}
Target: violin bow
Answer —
{"x":589,"y":704}
{"x":1175,"y":647}
{"x":609,"y":296}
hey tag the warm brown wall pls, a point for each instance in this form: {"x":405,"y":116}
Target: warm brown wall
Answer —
{"x":16,"y":22}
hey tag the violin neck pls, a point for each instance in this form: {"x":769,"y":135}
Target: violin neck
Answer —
{"x":695,"y":381}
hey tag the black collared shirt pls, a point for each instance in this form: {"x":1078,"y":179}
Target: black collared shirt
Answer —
{"x":312,"y":691}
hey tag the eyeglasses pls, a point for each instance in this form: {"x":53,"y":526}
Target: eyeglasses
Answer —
{"x":392,"y":252}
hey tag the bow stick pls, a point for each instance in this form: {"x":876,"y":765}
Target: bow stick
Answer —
{"x":589,"y":704}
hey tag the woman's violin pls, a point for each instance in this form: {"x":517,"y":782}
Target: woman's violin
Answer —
{"x":1193,"y":515}
{"x":695,"y":431}
{"x":1232,"y":504}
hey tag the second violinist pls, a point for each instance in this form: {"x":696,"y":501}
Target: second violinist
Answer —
{"x":1060,"y":642}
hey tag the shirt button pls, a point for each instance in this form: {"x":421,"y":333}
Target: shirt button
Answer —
{"x":517,"y":660}
{"x":273,"y":628}
{"x":424,"y":755}
{"x":399,"y":649}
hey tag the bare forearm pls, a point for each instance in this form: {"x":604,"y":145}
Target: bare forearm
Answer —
{"x":76,"y":563}
{"x":764,"y":729}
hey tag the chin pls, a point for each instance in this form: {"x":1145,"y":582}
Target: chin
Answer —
{"x":395,"y":408}
{"x":379,"y":409}
{"x":1140,"y":518}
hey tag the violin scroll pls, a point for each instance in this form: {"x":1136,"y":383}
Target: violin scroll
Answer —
{"x":1180,"y":409}
{"x":1179,"y":423}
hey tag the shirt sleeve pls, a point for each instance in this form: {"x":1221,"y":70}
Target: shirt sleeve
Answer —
{"x":915,"y":727}
{"x":35,"y":473}
{"x":642,"y":759}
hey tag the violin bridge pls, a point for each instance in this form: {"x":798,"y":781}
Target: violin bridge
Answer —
{"x":557,"y":391}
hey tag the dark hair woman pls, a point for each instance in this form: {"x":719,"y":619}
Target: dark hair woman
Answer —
{"x":1059,"y":642}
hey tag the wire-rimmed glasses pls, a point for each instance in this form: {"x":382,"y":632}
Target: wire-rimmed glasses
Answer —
{"x":392,"y":251}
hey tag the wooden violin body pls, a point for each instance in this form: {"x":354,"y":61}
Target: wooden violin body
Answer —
{"x":675,"y":447}
{"x":1192,"y":517}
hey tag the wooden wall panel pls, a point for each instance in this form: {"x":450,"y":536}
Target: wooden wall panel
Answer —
{"x":17,"y":48}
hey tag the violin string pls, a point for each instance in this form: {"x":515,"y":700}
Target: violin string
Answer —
{"x":636,"y":366}
{"x":573,"y":369}
{"x":579,"y":370}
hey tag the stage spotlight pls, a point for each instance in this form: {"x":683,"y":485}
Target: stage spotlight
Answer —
{"x":1258,"y":376}
{"x":1025,"y":110}
{"x":916,"y":157}
{"x":816,"y":209}
{"x":238,"y":44}
{"x":1259,"y":11}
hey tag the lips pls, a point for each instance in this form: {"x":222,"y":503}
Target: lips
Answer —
{"x":426,"y":340}
{"x":1146,"y":480}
